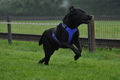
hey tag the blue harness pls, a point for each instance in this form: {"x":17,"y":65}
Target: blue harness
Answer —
{"x":70,"y":34}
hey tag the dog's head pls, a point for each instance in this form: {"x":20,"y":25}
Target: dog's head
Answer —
{"x":76,"y":17}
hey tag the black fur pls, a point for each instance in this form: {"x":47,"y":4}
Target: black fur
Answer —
{"x":72,"y":20}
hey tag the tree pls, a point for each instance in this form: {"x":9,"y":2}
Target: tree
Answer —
{"x":31,"y":7}
{"x":98,"y":7}
{"x":55,"y":8}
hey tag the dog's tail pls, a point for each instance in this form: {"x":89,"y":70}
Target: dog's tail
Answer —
{"x":41,"y":39}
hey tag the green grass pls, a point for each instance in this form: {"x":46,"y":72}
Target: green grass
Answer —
{"x":103,"y":29}
{"x":19,"y":62}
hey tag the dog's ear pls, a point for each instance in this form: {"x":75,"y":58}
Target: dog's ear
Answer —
{"x":71,"y":8}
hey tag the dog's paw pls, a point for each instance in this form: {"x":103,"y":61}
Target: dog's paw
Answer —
{"x":46,"y":64}
{"x":40,"y":61}
{"x":76,"y":57}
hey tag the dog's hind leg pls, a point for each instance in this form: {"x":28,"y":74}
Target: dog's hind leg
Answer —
{"x":48,"y":54}
{"x":48,"y":50}
{"x":41,"y":61}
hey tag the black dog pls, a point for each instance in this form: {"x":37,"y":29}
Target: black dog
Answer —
{"x":64,"y":35}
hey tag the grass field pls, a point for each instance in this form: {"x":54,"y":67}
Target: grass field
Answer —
{"x":103,"y":29}
{"x":19,"y":62}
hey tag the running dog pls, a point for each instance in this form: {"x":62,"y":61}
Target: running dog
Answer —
{"x":64,"y":35}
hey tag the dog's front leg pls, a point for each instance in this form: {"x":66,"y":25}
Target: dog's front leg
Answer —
{"x":77,"y":44}
{"x":77,"y":52}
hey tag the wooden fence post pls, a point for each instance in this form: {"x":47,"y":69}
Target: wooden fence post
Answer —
{"x":9,"y":31}
{"x":91,"y":35}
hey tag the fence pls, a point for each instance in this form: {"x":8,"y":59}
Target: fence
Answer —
{"x":107,"y":27}
{"x":107,"y":30}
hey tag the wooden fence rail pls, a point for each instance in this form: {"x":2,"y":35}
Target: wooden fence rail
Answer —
{"x":105,"y":43}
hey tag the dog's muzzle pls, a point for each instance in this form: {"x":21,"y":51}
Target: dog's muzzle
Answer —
{"x":87,"y":20}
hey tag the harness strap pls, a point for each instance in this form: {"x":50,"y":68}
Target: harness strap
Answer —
{"x":54,"y":37}
{"x":63,"y":25}
{"x":70,"y":33}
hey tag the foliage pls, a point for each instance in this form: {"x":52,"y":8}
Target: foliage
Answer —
{"x":98,"y":7}
{"x":19,"y":62}
{"x":56,"y":8}
{"x":31,"y":7}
